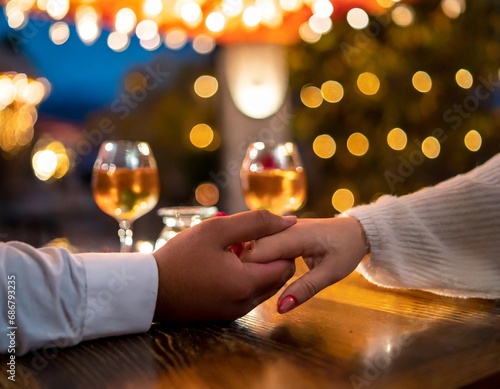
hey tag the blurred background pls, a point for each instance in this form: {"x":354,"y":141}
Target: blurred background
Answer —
{"x":381,"y":97}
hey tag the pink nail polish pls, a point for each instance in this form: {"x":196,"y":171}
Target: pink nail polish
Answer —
{"x":287,"y":303}
{"x":221,"y":213}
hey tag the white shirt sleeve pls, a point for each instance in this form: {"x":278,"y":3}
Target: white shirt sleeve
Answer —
{"x":62,"y":299}
{"x":444,"y":239}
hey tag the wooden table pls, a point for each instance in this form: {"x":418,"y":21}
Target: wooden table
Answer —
{"x":352,"y":335}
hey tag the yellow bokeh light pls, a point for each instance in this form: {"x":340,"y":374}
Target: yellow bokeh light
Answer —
{"x":50,"y":160}
{"x":311,"y":96}
{"x":201,"y":135}
{"x":324,"y":146}
{"x":473,"y":140}
{"x":207,"y":194}
{"x":358,"y":144}
{"x":422,"y":82}
{"x":464,"y":78}
{"x":206,"y":86}
{"x":332,"y":91}
{"x":342,"y":199}
{"x":308,"y":35}
{"x":44,"y":164}
{"x":402,"y":15}
{"x":397,"y":139}
{"x":19,"y":96}
{"x":431,"y":147}
{"x":453,"y":8}
{"x":368,"y":83}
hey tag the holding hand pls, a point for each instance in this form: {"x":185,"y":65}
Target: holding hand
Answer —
{"x":201,"y":278}
{"x":331,"y":248}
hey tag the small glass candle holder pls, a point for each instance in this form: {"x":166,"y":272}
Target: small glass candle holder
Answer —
{"x":177,"y":219}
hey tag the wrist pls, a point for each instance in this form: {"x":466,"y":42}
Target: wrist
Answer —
{"x":360,"y":232}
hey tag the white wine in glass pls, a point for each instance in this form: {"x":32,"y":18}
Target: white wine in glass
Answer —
{"x":273,"y":178}
{"x":125,"y":184}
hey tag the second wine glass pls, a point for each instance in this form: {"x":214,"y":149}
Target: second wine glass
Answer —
{"x":125,"y":184}
{"x":273,"y":178}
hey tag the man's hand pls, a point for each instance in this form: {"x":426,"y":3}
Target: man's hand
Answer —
{"x":200,"y":278}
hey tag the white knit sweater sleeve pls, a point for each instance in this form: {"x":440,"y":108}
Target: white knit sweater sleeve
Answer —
{"x":444,"y":239}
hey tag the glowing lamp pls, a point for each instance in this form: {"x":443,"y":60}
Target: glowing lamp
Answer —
{"x":257,"y":78}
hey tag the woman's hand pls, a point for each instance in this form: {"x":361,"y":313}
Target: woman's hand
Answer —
{"x":331,"y":248}
{"x":200,"y":278}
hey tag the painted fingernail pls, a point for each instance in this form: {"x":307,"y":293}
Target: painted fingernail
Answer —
{"x":287,"y":303}
{"x":237,"y":249}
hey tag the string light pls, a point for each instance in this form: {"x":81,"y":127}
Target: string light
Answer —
{"x":311,"y":96}
{"x":342,"y":199}
{"x":19,"y":96}
{"x":357,"y":144}
{"x":397,"y":139}
{"x":368,"y":83}
{"x":206,"y":86}
{"x":201,"y":135}
{"x":332,"y":91}
{"x":195,"y":17}
{"x":464,"y":79}
{"x":402,"y":15}
{"x":207,"y":194}
{"x":422,"y":82}
{"x":324,"y":146}
{"x":431,"y":147}
{"x":473,"y":140}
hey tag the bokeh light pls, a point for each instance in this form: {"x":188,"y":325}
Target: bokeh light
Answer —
{"x":307,"y":34}
{"x":175,"y":39}
{"x":324,"y":146}
{"x":473,"y":140}
{"x":397,"y":139}
{"x":311,"y":96}
{"x":201,"y":135}
{"x":431,"y":147}
{"x":206,"y":86}
{"x":368,"y":83}
{"x":357,"y":144}
{"x":59,"y":33}
{"x":207,"y":194}
{"x":464,"y":79}
{"x":19,"y":96}
{"x":50,"y":160}
{"x":332,"y":91}
{"x":203,"y":44}
{"x":402,"y":15}
{"x":422,"y":82}
{"x":357,"y":18}
{"x":453,"y":8}
{"x":342,"y":199}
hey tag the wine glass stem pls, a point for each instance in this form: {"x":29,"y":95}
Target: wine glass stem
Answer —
{"x":126,"y":237}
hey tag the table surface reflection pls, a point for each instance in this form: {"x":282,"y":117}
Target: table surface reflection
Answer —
{"x":352,"y":335}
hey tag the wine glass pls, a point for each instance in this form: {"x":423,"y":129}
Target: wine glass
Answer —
{"x":125,"y":184}
{"x":273,"y":178}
